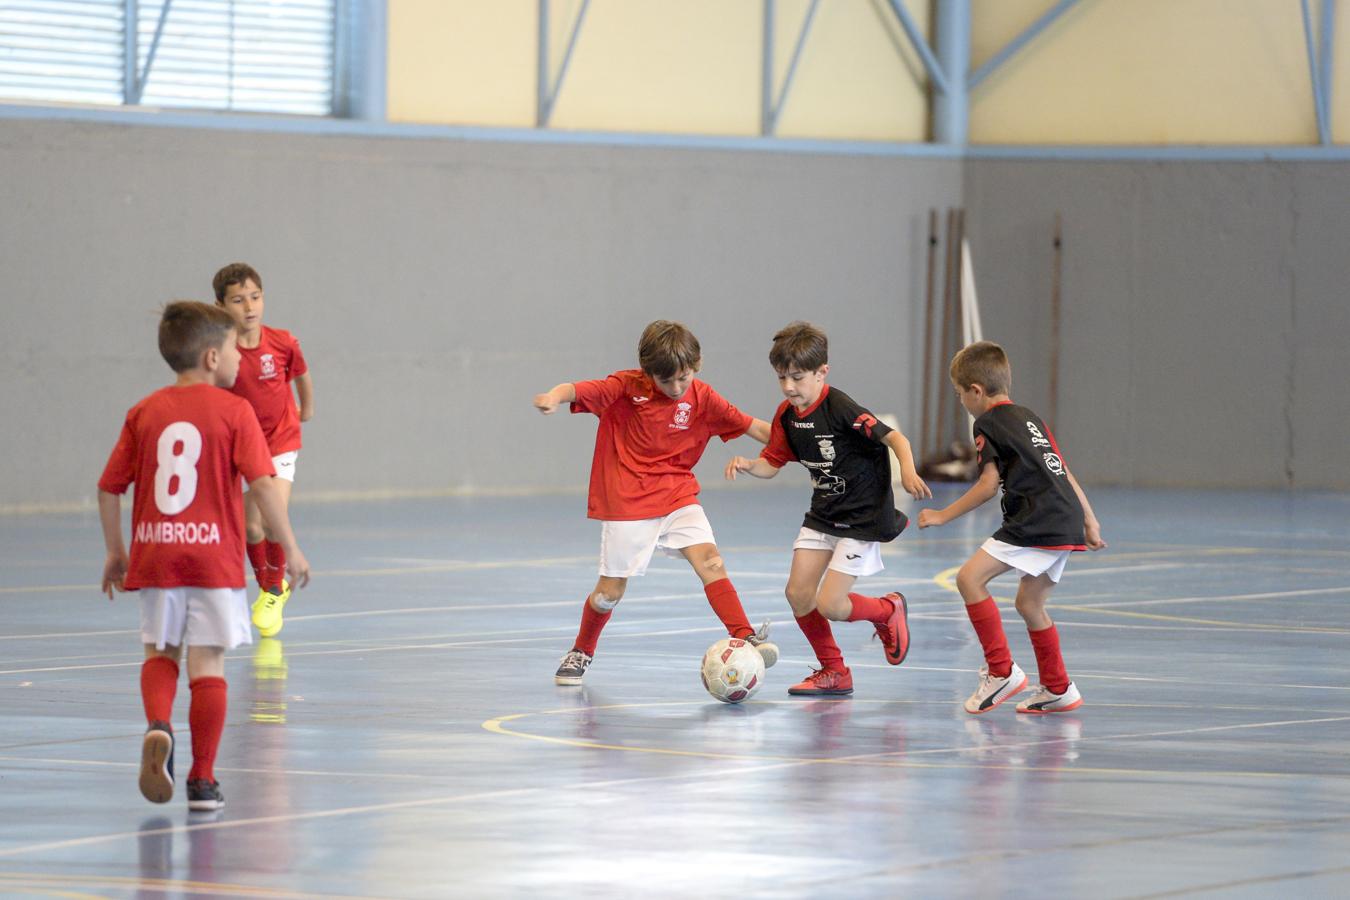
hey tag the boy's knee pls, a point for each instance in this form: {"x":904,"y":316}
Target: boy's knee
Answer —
{"x":605,"y":601}
{"x":802,"y":602}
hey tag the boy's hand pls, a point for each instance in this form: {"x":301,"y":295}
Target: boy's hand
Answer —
{"x":1092,"y":532}
{"x":297,"y":568}
{"x":929,"y":518}
{"x":114,"y":571}
{"x":915,"y":486}
{"x":546,"y":403}
{"x":738,"y":464}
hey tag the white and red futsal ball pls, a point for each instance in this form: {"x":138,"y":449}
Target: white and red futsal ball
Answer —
{"x":732,"y":670}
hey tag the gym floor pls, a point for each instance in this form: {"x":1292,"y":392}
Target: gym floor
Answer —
{"x":403,"y":736}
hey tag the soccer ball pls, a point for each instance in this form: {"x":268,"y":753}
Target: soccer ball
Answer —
{"x":732,"y":670}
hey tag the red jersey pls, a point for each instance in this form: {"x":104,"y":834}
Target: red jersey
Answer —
{"x":185,"y":448}
{"x":647,"y":444}
{"x":265,"y":376}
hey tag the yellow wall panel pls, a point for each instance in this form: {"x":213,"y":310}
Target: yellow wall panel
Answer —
{"x":1145,"y":72}
{"x":462,"y":62}
{"x":858,"y":77}
{"x":654,"y":65}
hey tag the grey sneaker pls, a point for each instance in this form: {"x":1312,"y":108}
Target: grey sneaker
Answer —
{"x":994,"y":690}
{"x":572,"y":667}
{"x":767,"y":649}
{"x":205,"y":796}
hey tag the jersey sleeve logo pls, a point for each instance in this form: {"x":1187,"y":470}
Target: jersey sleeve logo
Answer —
{"x":1053,"y":463}
{"x":864,"y":423}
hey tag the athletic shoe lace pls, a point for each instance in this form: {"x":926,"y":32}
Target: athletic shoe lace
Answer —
{"x":574,"y":659}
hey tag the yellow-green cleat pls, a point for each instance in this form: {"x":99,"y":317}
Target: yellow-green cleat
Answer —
{"x":267,"y":610}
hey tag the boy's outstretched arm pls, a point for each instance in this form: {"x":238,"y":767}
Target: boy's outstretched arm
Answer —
{"x":758,"y":467}
{"x":548,"y":402}
{"x":1092,"y":529}
{"x":759,"y":430}
{"x":115,"y":566}
{"x":268,"y":498}
{"x":981,"y":492}
{"x":909,"y":476}
{"x":304,"y":386}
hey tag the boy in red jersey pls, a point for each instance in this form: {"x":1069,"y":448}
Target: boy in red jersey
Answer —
{"x":271,"y":360}
{"x":185,"y":447}
{"x":655,"y":422}
{"x":1046,"y":516}
{"x":852,"y":511}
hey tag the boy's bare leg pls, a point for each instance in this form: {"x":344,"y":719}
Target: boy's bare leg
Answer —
{"x":159,"y":684}
{"x":717,"y":586}
{"x":805,"y":580}
{"x":1032,"y":595}
{"x":832,"y":597}
{"x":595,"y":613}
{"x":973,"y":583}
{"x":206,"y":714}
{"x":276,"y":556}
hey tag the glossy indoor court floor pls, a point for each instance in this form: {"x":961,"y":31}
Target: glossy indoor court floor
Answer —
{"x":404,"y":738}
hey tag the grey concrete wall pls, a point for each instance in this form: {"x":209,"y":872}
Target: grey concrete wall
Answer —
{"x":1205,"y":314}
{"x":436,"y":286}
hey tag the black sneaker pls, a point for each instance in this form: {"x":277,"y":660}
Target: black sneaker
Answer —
{"x":205,"y":796}
{"x":157,"y":763}
{"x":573,"y":667}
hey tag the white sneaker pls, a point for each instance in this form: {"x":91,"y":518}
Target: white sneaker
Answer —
{"x":994,"y":690}
{"x":768,"y":650}
{"x":1044,"y":701}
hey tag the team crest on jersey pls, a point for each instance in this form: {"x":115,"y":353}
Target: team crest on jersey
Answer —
{"x":826,"y":449}
{"x":1053,"y":463}
{"x":681,"y":415}
{"x":269,"y":366}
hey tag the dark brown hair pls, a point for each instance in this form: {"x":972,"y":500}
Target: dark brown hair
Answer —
{"x":187,"y":329}
{"x":799,"y":345}
{"x":983,"y":363}
{"x":667,"y":348}
{"x":234,"y":273}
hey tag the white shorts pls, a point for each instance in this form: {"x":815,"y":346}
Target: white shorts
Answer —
{"x":851,"y":556}
{"x":210,"y":617}
{"x":284,"y":463}
{"x":1031,"y":561}
{"x":626,"y":547}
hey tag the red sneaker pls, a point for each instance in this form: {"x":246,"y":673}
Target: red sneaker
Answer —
{"x":823,"y":682}
{"x":895,"y":633}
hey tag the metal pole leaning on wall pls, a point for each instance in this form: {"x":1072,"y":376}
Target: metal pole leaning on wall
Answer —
{"x":949,"y":267}
{"x":1057,"y":266}
{"x":925,"y":432}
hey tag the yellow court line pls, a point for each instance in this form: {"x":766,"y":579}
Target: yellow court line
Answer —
{"x":888,"y":760}
{"x":160,"y":884}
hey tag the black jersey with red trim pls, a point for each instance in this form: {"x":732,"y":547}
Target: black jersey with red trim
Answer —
{"x":1040,"y":508}
{"x":843,"y":446}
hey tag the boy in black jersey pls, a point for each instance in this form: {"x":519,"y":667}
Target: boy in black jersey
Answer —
{"x":1046,"y":516}
{"x":852,"y":511}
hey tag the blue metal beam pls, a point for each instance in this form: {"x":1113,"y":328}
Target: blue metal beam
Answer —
{"x":1314,"y":74}
{"x":1328,"y":55}
{"x":1017,"y":43}
{"x":920,"y":44}
{"x":154,"y":48}
{"x":776,"y":106}
{"x":766,"y":117}
{"x":548,"y":96}
{"x":951,"y":109}
{"x":131,"y":92}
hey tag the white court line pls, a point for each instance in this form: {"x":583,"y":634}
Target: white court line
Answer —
{"x":597,"y":785}
{"x":1270,"y":595}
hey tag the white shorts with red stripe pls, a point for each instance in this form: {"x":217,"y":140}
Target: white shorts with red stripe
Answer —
{"x":1031,"y":561}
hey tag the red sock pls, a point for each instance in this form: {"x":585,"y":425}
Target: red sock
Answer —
{"x":724,"y":600}
{"x":592,"y":623}
{"x":159,"y":683}
{"x":206,"y":718}
{"x":257,"y":558}
{"x":817,"y":630}
{"x":276,"y":563}
{"x":1049,"y":661}
{"x":870,"y":609}
{"x":988,"y":624}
